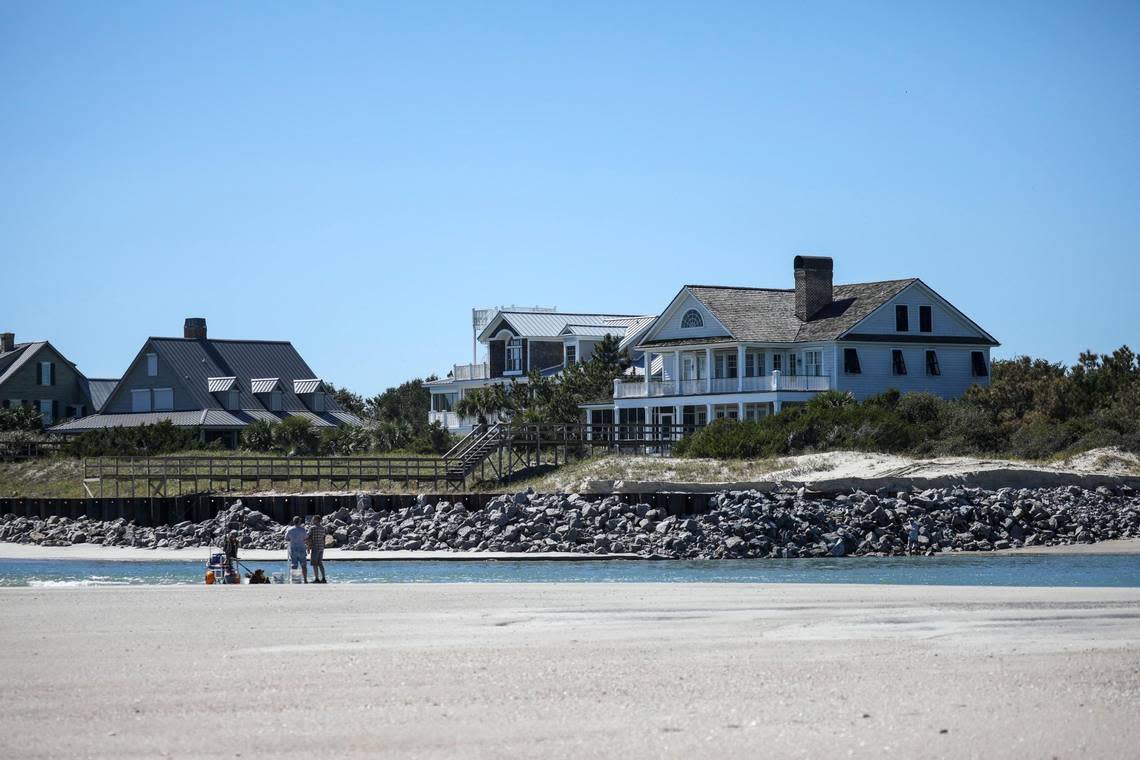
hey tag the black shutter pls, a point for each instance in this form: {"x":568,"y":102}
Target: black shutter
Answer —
{"x":902,"y":319}
{"x":54,"y":407}
{"x":925,"y":322}
{"x":52,"y":365}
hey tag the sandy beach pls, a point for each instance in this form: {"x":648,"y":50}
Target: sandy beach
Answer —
{"x":638,"y":670}
{"x":127,"y":553}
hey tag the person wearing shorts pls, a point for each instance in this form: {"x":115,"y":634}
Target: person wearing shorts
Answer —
{"x":317,"y":550}
{"x":295,"y":539}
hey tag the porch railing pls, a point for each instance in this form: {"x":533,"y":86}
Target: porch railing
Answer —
{"x":773,"y":382}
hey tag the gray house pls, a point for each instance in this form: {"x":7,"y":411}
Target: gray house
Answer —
{"x":36,"y":374}
{"x":214,"y":386}
{"x":745,"y":353}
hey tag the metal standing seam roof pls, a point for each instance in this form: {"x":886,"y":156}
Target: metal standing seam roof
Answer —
{"x":26,"y":351}
{"x":310,"y":385}
{"x":220,"y":384}
{"x":99,"y":390}
{"x":594,"y":331}
{"x":547,"y":324}
{"x":264,"y":384}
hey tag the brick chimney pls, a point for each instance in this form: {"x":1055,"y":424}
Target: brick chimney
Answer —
{"x":7,"y":342}
{"x":813,"y":284}
{"x":194,"y":328}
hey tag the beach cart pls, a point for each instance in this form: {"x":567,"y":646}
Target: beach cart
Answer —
{"x":220,"y":571}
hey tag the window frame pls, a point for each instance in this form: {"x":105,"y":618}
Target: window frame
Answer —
{"x":154,"y":400}
{"x":925,"y":318}
{"x":898,"y":362}
{"x":817,"y":365}
{"x":902,"y":317}
{"x":978,"y":360}
{"x":152,"y":364}
{"x":933,"y":368}
{"x":754,"y":362}
{"x":49,"y":380}
{"x":571,"y":352}
{"x":48,"y":417}
{"x":512,"y":348}
{"x":687,"y":324}
{"x":851,"y":365}
{"x":144,"y":394}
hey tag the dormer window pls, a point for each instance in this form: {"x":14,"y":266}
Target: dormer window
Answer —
{"x":268,"y":392}
{"x":233,"y":400}
{"x":692,"y":318}
{"x":312,"y":392}
{"x":514,"y":355}
{"x":151,"y":365}
{"x":226,"y":390}
{"x":275,"y":401}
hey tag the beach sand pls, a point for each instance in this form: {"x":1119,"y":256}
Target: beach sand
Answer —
{"x":128,"y":553}
{"x":575,"y":670}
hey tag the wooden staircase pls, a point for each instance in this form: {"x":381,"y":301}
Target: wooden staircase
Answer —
{"x":468,"y":454}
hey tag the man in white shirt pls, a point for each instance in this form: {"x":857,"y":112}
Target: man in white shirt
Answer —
{"x":295,"y":539}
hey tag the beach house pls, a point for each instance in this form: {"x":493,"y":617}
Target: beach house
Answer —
{"x":35,"y":374}
{"x":215,"y":386}
{"x":518,"y":341}
{"x":747,"y":352}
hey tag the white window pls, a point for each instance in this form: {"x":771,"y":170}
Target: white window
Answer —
{"x":753,"y":363}
{"x":692,"y":318}
{"x":724,"y":364}
{"x":795,"y":364}
{"x":140,"y":399}
{"x":47,"y":375}
{"x":163,"y":399}
{"x":275,"y":401}
{"x":46,"y":411}
{"x":571,"y":354}
{"x":514,"y":355}
{"x":777,"y":362}
{"x":813,"y":363}
{"x":757,"y":411}
{"x":151,"y":365}
{"x":726,"y":411}
{"x":693,"y":367}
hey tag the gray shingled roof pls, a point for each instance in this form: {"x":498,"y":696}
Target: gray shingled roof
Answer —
{"x":21,"y":354}
{"x":768,"y":315}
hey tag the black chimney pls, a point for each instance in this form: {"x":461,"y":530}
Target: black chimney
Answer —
{"x":813,"y":284}
{"x":7,"y":342}
{"x":194,"y":328}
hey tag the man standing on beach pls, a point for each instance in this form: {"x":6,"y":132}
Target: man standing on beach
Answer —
{"x":317,"y":550}
{"x":295,"y":539}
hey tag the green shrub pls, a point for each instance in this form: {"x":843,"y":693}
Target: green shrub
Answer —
{"x":295,"y":436}
{"x":258,"y":436}
{"x":22,"y":418}
{"x":345,"y":440}
{"x":143,"y":440}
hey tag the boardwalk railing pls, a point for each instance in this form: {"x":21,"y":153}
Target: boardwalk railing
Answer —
{"x":498,"y":452}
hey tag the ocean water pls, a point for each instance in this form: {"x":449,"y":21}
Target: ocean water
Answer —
{"x":1116,"y":570}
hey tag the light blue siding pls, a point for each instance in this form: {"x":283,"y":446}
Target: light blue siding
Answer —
{"x":877,"y":376}
{"x":945,"y":321}
{"x":670,"y":326}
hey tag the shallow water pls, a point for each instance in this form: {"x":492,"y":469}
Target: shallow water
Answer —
{"x":1115,"y":570}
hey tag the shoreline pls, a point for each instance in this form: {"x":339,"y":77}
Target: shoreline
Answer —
{"x":96,"y":552}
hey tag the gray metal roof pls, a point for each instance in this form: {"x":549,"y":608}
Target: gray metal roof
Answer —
{"x":311,"y":385}
{"x":594,"y":331}
{"x":99,"y":390}
{"x":264,"y":384}
{"x":22,"y":354}
{"x":220,"y":384}
{"x":546,"y":324}
{"x":214,"y":418}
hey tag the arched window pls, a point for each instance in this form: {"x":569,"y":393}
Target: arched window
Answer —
{"x":692,"y":318}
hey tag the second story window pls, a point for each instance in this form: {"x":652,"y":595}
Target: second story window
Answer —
{"x":233,"y":400}
{"x":724,"y":365}
{"x":151,"y":365}
{"x":571,"y":354}
{"x":932,"y":367}
{"x":978,"y":364}
{"x":753,"y":363}
{"x":898,"y":363}
{"x":902,"y":318}
{"x":692,"y":318}
{"x":163,"y":399}
{"x":813,"y":363}
{"x":140,"y":399}
{"x":47,"y":373}
{"x":777,"y":362}
{"x":851,"y":362}
{"x":275,"y":401}
{"x":514,"y":355}
{"x":925,"y":319}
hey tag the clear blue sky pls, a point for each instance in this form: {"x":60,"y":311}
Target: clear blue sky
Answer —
{"x":354,"y":177}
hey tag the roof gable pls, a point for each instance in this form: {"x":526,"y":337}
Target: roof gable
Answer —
{"x":526,"y":324}
{"x":667,"y":325}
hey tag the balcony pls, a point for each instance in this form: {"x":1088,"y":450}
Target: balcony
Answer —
{"x":766,"y":383}
{"x":471,"y":372}
{"x":451,"y":420}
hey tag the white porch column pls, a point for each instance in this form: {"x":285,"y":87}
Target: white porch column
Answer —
{"x":740,"y":412}
{"x":678,"y":415}
{"x":676,"y":372}
{"x":776,"y":406}
{"x":740,"y":368}
{"x":708,"y":414}
{"x":708,"y":370}
{"x":589,"y":424}
{"x":648,"y":369}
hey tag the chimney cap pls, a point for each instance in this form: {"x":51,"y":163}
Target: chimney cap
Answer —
{"x":813,"y":262}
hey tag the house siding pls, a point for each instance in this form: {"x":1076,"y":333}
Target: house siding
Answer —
{"x":877,"y":376}
{"x":136,"y":377}
{"x":945,"y":322}
{"x":544,"y":354}
{"x":670,"y":327}
{"x":67,"y":390}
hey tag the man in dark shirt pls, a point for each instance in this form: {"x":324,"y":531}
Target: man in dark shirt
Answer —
{"x":230,"y":549}
{"x":317,"y":550}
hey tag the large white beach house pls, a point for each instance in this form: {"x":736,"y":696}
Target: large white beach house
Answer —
{"x":745,"y":353}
